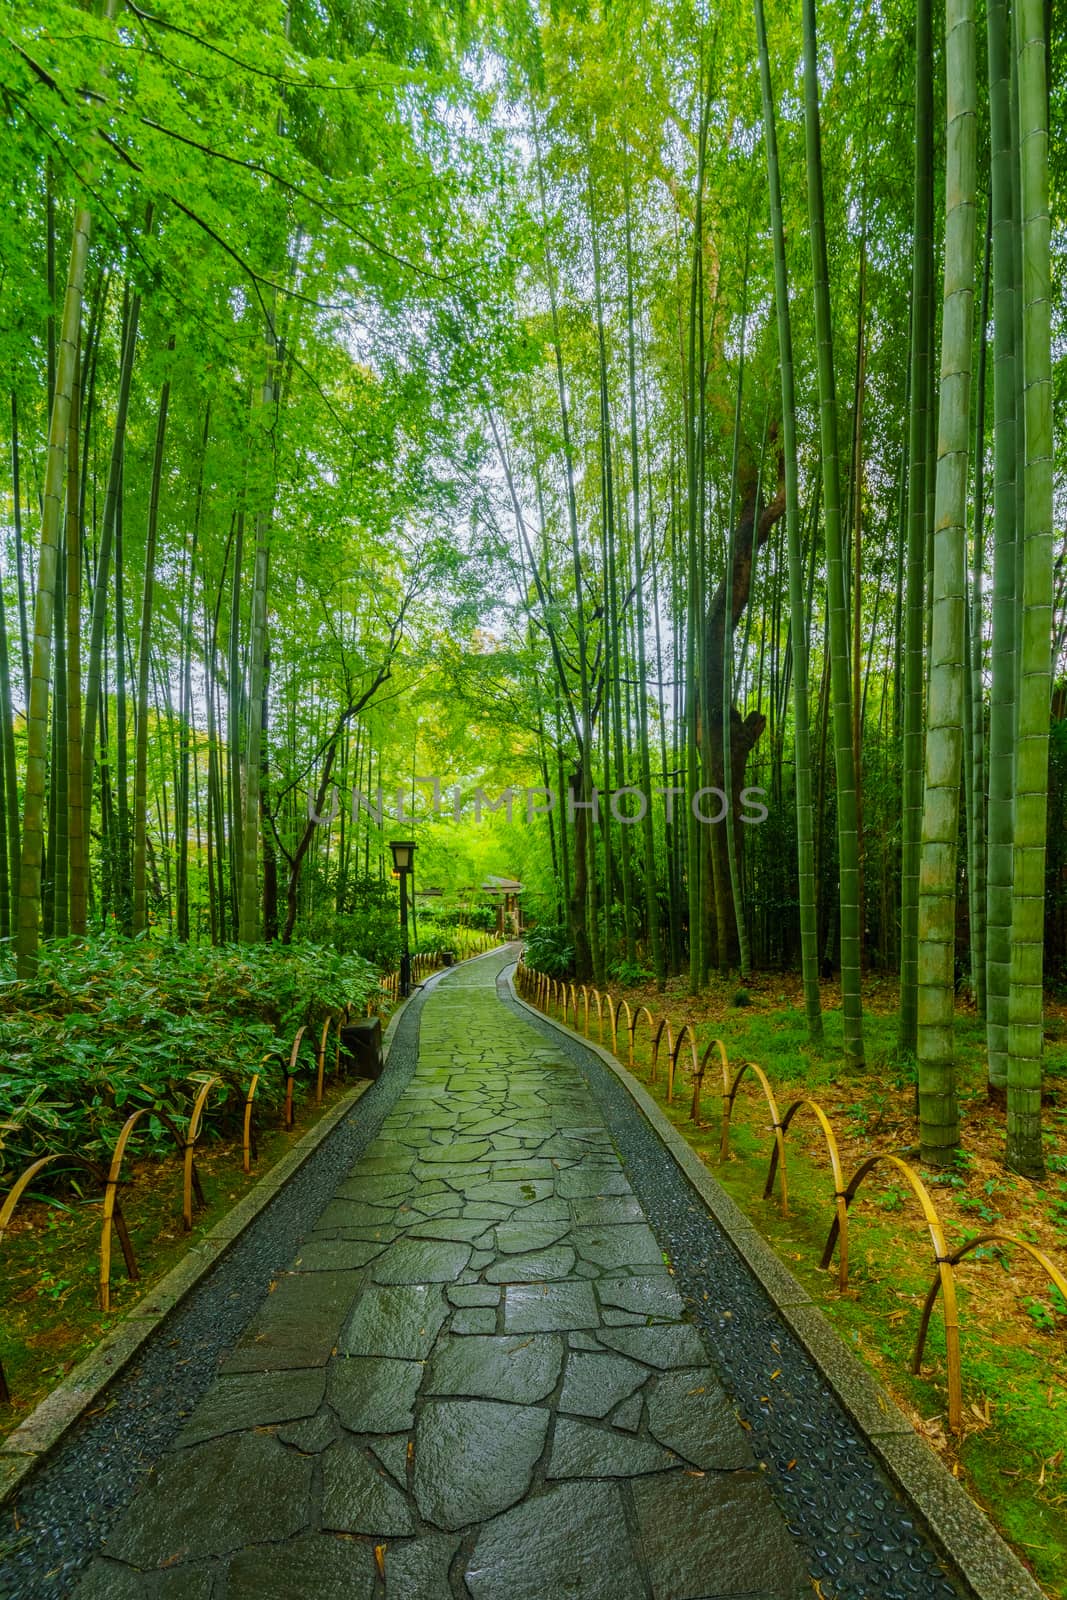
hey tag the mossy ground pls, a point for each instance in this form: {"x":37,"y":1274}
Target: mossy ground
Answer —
{"x":1012,"y":1454}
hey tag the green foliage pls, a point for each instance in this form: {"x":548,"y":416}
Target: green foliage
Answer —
{"x":366,"y":923}
{"x":483,"y":918}
{"x":1040,"y":1314}
{"x":549,"y":949}
{"x":629,"y":972}
{"x":109,"y":1025}
{"x":741,"y":997}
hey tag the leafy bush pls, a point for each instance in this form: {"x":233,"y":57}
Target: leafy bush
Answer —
{"x":359,"y":917}
{"x":371,"y":935}
{"x":483,"y":918}
{"x":438,"y":919}
{"x":112,"y":1024}
{"x":627,"y":972}
{"x":549,"y":949}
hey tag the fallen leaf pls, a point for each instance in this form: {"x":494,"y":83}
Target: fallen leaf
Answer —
{"x":379,"y":1559}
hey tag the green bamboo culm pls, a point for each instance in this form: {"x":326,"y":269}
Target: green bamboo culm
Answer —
{"x":1003,"y":200}
{"x":648,"y":842}
{"x":1024,"y":1152}
{"x":249,"y":918}
{"x":140,"y":780}
{"x":921,"y":322}
{"x":974,"y":731}
{"x":94,"y":692}
{"x":809,"y":933}
{"x":77,"y":841}
{"x":938,"y":1107}
{"x":840,"y":677}
{"x":586,"y":904}
{"x":733,"y":865}
{"x":9,"y":793}
{"x":694,"y":620}
{"x":29,"y":906}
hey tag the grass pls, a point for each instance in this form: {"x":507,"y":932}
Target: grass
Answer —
{"x":1011,"y":1453}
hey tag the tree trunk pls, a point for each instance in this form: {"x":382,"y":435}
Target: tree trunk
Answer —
{"x":693,"y":452}
{"x":750,"y":535}
{"x":249,"y":921}
{"x":77,"y":822}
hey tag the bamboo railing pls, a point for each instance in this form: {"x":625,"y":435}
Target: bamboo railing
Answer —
{"x":540,"y":990}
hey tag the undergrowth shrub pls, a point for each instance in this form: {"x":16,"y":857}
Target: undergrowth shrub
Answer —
{"x":549,"y":949}
{"x":629,"y":972}
{"x":111,"y":1024}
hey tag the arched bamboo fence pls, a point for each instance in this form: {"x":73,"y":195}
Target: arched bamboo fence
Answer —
{"x":190,"y":1177}
{"x":642,"y":1011}
{"x":613,"y":1014}
{"x":700,"y":1074}
{"x":18,"y":1189}
{"x":685,"y":1033}
{"x":729,"y":1092}
{"x":946,"y":1275}
{"x":249,"y":1150}
{"x":531,"y":983}
{"x":778,"y":1159}
{"x":954,"y":1258}
{"x":110,"y":1178}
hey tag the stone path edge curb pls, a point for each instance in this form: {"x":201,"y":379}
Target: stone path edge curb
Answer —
{"x":48,"y":1424}
{"x":958,"y":1526}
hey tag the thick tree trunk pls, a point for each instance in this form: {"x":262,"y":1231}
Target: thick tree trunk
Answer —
{"x":749,"y":537}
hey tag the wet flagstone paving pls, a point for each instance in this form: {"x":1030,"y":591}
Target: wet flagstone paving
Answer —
{"x":475,"y":1381}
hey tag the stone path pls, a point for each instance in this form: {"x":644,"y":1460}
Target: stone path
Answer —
{"x":475,"y":1382}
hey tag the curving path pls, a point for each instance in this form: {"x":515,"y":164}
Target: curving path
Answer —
{"x":476,"y":1378}
{"x":450,"y":1361}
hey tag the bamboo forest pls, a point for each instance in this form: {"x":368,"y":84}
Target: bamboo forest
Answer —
{"x":576,"y":484}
